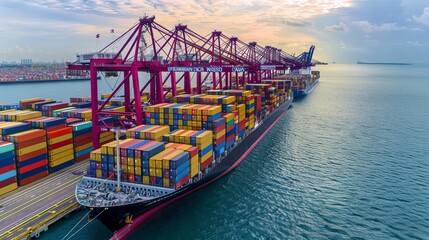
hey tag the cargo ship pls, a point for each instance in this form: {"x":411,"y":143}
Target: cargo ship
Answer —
{"x":122,"y":204}
{"x":305,"y":84}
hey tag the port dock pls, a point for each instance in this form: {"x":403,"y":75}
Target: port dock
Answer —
{"x":28,"y":211}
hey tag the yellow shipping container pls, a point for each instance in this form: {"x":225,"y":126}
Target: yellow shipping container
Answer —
{"x":96,"y":155}
{"x":158,"y":172}
{"x":60,"y":138}
{"x":8,"y":188}
{"x":145,"y":180}
{"x":60,"y":149}
{"x":166,"y":182}
{"x":61,"y":161}
{"x":130,"y":161}
{"x":130,"y":169}
{"x":98,"y":173}
{"x":205,"y":157}
{"x":61,"y":155}
{"x":30,"y":149}
{"x":83,"y":147}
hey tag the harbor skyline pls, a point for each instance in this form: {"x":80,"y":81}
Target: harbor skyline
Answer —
{"x":342,"y":30}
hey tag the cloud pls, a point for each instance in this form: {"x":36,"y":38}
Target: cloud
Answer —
{"x":424,"y":18}
{"x":338,"y":28}
{"x":297,"y":23}
{"x":415,"y":44}
{"x":385,"y":27}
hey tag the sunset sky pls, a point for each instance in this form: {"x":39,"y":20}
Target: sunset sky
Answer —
{"x":342,"y":30}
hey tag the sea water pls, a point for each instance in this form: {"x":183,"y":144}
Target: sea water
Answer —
{"x":348,"y":161}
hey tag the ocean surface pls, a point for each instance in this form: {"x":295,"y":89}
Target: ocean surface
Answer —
{"x":349,"y":161}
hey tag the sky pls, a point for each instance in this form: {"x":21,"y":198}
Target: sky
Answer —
{"x":343,"y":31}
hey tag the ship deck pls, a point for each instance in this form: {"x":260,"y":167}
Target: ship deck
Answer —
{"x":29,"y":210}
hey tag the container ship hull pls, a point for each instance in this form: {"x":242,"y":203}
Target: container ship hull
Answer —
{"x":115,"y":217}
{"x":303,"y":92}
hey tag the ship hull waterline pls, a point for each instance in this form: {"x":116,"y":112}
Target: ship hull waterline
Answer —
{"x":114,"y":217}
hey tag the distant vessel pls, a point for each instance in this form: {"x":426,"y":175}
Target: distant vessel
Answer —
{"x":381,"y":63}
{"x":303,"y":84}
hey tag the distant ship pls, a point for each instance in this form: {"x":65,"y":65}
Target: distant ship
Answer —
{"x":380,"y":63}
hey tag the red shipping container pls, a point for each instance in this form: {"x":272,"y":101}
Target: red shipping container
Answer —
{"x":32,"y":166}
{"x":98,"y":165}
{"x":27,"y":156}
{"x":180,"y":182}
{"x":193,"y":151}
{"x":33,"y":178}
{"x":7,"y":168}
{"x":82,"y":158}
{"x":205,"y":164}
{"x":229,"y":138}
{"x":166,"y":173}
{"x":152,"y":181}
{"x":220,"y":140}
{"x":219,"y":129}
{"x":7,"y":182}
{"x":130,"y":177}
{"x":60,"y":144}
{"x":83,"y":137}
{"x":54,"y":128}
{"x":59,"y":132}
{"x":30,"y":142}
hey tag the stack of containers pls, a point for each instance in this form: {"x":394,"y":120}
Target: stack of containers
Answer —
{"x":7,"y":128}
{"x":59,"y":141}
{"x":18,"y":115}
{"x":106,"y":137}
{"x":82,"y":113}
{"x":73,"y":120}
{"x":282,"y":88}
{"x":82,"y":140}
{"x":245,"y":97}
{"x":7,"y":106}
{"x":192,"y":117}
{"x":60,"y":148}
{"x":193,"y":156}
{"x":219,"y":138}
{"x":201,"y":139}
{"x":26,"y":103}
{"x":7,"y":168}
{"x":31,"y":155}
{"x":47,"y":123}
{"x":80,"y":99}
{"x":127,"y":159}
{"x":95,"y":164}
{"x":241,"y":126}
{"x":148,"y":132}
{"x":81,"y":102}
{"x":183,"y":116}
{"x":48,"y":109}
{"x":142,"y":155}
{"x":215,"y":92}
{"x":230,"y":130}
{"x":262,"y":89}
{"x":38,"y":106}
{"x":169,"y":168}
{"x":57,"y":113}
{"x":258,"y":107}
